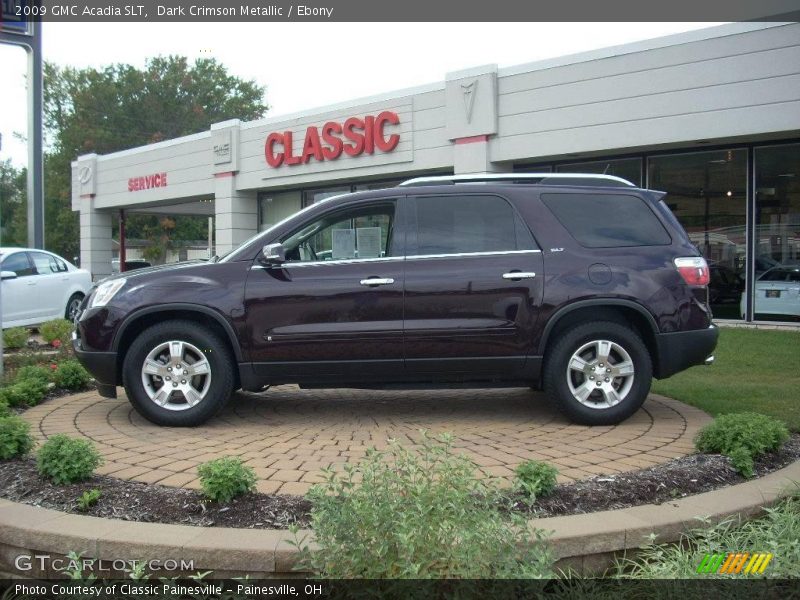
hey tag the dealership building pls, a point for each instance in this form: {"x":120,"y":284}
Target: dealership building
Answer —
{"x":710,"y":116}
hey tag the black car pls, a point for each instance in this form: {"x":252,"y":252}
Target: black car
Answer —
{"x":582,"y":285}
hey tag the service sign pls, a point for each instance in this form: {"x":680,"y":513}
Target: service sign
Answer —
{"x":354,"y":136}
{"x":16,"y":16}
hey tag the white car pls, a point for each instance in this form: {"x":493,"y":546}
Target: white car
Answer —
{"x":778,"y":292}
{"x":38,"y":286}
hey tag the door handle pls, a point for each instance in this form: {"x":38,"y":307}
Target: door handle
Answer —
{"x":376,"y":281}
{"x":516,"y":275}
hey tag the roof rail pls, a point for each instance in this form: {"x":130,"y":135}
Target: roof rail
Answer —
{"x":529,"y":178}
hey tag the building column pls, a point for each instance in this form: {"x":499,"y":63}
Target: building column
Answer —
{"x":471,"y":102}
{"x":95,"y":239}
{"x":235,"y":212}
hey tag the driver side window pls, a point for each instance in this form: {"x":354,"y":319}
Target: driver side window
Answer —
{"x":358,"y":233}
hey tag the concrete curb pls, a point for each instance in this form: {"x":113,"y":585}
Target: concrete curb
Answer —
{"x":586,"y":542}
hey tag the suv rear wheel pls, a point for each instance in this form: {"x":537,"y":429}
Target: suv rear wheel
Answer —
{"x":598,"y":373}
{"x":178,"y":373}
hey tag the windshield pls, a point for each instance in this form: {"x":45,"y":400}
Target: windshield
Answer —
{"x":235,"y":254}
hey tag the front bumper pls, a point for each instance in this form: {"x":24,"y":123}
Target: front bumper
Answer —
{"x":683,"y":349}
{"x":102,"y":366}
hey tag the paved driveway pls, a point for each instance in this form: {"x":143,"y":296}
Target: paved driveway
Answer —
{"x":287,"y":435}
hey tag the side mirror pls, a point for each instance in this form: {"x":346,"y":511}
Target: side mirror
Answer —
{"x":274,"y":254}
{"x":8,"y":275}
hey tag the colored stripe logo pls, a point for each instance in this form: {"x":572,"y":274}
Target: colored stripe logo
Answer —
{"x":735,"y":563}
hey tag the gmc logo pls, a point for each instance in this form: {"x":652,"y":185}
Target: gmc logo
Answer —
{"x":353,"y":137}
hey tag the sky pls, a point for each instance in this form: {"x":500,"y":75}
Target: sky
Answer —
{"x":309,"y":65}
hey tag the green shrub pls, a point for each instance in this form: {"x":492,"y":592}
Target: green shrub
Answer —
{"x":742,"y":437}
{"x":57,"y":329}
{"x":88,"y":499}
{"x":63,"y":459}
{"x":225,"y":478}
{"x":407,"y":514}
{"x":33,"y":372}
{"x":535,"y":478}
{"x":776,"y":532}
{"x":15,"y":337}
{"x":70,"y":375}
{"x":28,"y":392}
{"x":15,"y":437}
{"x":4,"y":412}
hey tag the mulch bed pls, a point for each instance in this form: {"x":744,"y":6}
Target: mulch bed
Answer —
{"x":133,"y":501}
{"x":678,"y":478}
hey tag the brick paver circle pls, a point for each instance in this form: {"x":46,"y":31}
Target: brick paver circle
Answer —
{"x":287,"y":434}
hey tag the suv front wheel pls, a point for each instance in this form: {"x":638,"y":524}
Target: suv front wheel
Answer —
{"x":598,"y":373}
{"x":178,"y":374}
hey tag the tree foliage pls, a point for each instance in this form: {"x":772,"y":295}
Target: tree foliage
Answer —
{"x":121,"y":106}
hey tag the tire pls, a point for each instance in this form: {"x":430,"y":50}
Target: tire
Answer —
{"x":73,"y":304}
{"x":612,"y":401}
{"x":207,"y":390}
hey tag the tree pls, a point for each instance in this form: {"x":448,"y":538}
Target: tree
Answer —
{"x":13,"y":205}
{"x":121,"y":106}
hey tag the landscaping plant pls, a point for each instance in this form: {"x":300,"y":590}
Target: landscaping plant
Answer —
{"x":4,"y":412}
{"x":88,"y":499}
{"x":15,"y":437}
{"x":70,"y":375}
{"x":32,"y":372}
{"x":223,"y":479}
{"x":535,"y":479}
{"x":408,"y":514}
{"x":56,"y":330}
{"x":63,"y":459}
{"x":742,"y":437}
{"x":15,"y":338}
{"x":777,"y":533}
{"x":28,"y":392}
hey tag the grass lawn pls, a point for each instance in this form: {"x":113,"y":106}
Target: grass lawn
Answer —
{"x":755,"y":370}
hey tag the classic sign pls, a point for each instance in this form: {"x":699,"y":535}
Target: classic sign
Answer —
{"x":354,"y":137}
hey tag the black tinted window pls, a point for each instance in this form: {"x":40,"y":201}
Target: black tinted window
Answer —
{"x":459,"y":224}
{"x":19,"y":264}
{"x":607,"y":220}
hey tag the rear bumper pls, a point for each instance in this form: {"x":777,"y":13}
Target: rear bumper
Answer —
{"x":683,"y":349}
{"x":102,"y":366}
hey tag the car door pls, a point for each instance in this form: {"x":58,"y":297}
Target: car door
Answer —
{"x":19,"y":293}
{"x":334,"y":310}
{"x":52,"y":285}
{"x":473,"y":288}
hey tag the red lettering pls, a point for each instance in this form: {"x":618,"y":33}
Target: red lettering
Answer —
{"x":273,"y":159}
{"x":369,"y":135}
{"x":311,"y":145}
{"x":287,"y":149}
{"x":357,"y":139}
{"x":146,"y":182}
{"x":335,"y":149}
{"x":381,"y":142}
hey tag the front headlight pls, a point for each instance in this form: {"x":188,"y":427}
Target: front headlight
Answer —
{"x":105,"y":292}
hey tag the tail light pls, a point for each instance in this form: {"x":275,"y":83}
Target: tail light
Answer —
{"x":693,"y":269}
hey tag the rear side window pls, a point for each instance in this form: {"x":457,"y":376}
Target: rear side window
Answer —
{"x":456,"y":224}
{"x":607,"y":220}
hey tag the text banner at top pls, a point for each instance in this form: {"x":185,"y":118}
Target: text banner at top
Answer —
{"x":392,"y":10}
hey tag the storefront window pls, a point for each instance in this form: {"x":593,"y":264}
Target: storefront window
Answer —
{"x":627,"y":168}
{"x":777,"y":233}
{"x":707,"y":192}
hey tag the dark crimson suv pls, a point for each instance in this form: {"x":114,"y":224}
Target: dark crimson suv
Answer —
{"x":582,"y":285}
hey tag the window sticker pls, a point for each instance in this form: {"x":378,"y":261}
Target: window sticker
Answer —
{"x":369,"y":242}
{"x":344,"y":243}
